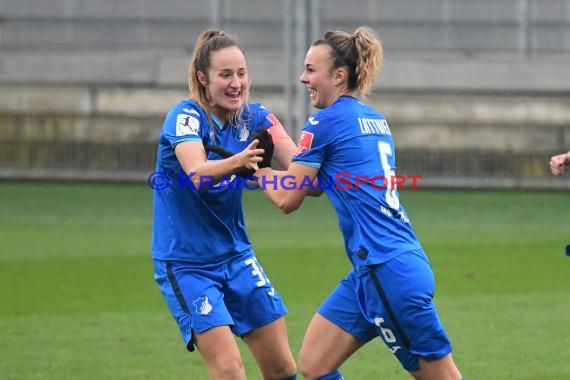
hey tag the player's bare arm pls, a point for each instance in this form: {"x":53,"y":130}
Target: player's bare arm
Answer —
{"x":288,"y":198}
{"x":193,"y":159}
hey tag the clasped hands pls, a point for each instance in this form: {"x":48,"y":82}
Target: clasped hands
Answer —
{"x":252,"y":157}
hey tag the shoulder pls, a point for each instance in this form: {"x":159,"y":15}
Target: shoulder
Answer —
{"x":255,"y":106}
{"x":186,"y":118}
{"x":255,"y":110}
{"x":336,"y":113}
{"x":256,"y":115}
{"x":188,"y":107}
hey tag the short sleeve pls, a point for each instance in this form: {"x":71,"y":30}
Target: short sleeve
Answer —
{"x":183,"y":123}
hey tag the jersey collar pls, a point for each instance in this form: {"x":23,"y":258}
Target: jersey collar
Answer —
{"x":218,"y":122}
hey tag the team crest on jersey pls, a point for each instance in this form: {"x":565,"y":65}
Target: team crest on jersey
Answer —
{"x":202,"y":305}
{"x":242,"y":133}
{"x":187,"y":125}
{"x":305,"y":142}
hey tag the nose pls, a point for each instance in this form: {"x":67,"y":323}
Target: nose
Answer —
{"x":303,"y":78}
{"x":235,"y":81}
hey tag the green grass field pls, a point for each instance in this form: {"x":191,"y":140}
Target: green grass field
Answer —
{"x":78,"y":301}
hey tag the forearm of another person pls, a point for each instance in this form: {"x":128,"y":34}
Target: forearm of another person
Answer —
{"x":287,"y":189}
{"x":285,"y":149}
{"x":201,"y":171}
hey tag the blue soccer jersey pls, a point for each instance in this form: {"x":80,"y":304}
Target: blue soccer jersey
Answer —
{"x":201,"y":226}
{"x":352,"y":146}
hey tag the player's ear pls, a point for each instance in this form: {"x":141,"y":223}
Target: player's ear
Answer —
{"x":202,"y":78}
{"x":340,"y":76}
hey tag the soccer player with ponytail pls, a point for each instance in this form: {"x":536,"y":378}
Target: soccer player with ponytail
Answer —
{"x":389,"y":292}
{"x":204,"y":262}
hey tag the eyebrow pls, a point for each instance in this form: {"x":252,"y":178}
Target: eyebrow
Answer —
{"x":230,"y":70}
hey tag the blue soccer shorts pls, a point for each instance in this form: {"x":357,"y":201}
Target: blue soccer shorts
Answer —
{"x":236,"y":293}
{"x":394,"y":301}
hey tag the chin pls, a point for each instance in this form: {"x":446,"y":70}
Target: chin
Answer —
{"x":234,"y":106}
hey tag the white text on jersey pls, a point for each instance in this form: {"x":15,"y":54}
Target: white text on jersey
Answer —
{"x":374,"y":126}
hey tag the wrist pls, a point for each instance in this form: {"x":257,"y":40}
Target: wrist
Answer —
{"x":263,"y":171}
{"x":235,"y":164}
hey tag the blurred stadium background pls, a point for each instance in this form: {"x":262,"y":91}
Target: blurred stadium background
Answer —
{"x":477,"y":92}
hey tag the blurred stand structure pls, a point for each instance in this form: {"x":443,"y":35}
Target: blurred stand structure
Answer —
{"x":477,"y":92}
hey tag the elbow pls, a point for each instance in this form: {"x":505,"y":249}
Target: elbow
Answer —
{"x":288,"y":207}
{"x":199,"y":182}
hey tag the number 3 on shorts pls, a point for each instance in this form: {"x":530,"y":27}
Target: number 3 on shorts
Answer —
{"x":257,"y":271}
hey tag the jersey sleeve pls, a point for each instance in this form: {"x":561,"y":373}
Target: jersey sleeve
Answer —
{"x":183,"y":123}
{"x":271,"y":122}
{"x":315,"y":140}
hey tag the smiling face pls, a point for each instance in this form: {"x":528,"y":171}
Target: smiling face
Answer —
{"x":325,"y":85}
{"x":227,"y":82}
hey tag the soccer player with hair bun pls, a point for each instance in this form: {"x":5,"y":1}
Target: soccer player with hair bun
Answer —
{"x":204,"y":262}
{"x":389,"y":291}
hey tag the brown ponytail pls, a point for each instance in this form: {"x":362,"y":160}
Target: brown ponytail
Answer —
{"x":361,"y":54}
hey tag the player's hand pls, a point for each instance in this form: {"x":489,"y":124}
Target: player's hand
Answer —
{"x":558,"y":163}
{"x":251,"y":157}
{"x":244,"y":172}
{"x":265,"y":143}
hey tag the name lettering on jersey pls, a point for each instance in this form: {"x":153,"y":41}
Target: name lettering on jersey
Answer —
{"x":187,"y":125}
{"x":374,"y":126}
{"x":305,"y":142}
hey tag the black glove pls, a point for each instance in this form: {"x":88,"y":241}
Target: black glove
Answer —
{"x":244,"y":172}
{"x":265,"y":143}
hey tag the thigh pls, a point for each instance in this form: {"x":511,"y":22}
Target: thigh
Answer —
{"x":443,"y":368}
{"x":343,"y":309}
{"x":220,"y":352}
{"x":398,"y":299}
{"x":336,"y":331}
{"x":325,"y":347}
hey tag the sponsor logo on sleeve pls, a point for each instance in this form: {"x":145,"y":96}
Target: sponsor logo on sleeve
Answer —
{"x":187,"y":125}
{"x":305,"y":142}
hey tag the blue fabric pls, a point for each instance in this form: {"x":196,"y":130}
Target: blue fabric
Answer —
{"x":201,"y":226}
{"x":404,"y":316}
{"x":352,"y":145}
{"x":293,"y":377}
{"x":236,"y":293}
{"x":335,"y":375}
